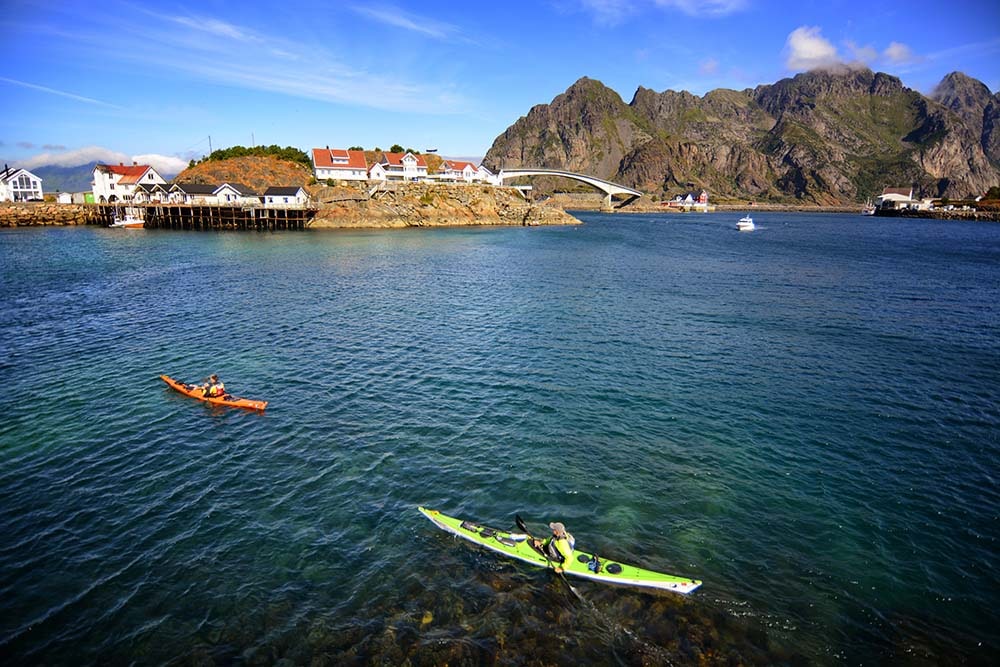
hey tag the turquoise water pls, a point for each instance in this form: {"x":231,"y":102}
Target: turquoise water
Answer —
{"x":805,"y":417}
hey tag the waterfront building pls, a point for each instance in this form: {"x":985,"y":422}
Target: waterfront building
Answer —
{"x":892,"y":198}
{"x":118,"y":183}
{"x":339,"y":164}
{"x":285,"y":197}
{"x":148,"y":193}
{"x":19,"y":185}
{"x":192,"y":193}
{"x":236,"y":194}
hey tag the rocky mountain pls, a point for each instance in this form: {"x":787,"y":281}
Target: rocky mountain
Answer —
{"x":824,"y":137}
{"x":65,"y":179}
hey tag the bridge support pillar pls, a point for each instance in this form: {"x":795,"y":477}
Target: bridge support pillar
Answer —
{"x":606,"y":204}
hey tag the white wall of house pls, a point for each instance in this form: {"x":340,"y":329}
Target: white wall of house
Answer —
{"x":341,"y":174}
{"x":107,"y":184}
{"x":20,"y":185}
{"x":300,"y":198}
{"x":377,"y":173}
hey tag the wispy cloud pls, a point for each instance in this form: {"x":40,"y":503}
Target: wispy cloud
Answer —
{"x":617,"y":11}
{"x":397,"y":18}
{"x":61,"y":93}
{"x":708,"y":67}
{"x":244,"y":57}
{"x":705,"y":8}
{"x":899,"y":54}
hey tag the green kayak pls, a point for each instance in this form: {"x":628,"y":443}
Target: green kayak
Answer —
{"x":588,"y":566}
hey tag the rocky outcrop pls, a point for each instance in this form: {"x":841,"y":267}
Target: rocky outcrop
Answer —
{"x":821,"y":137}
{"x":429,"y":205}
{"x":27,"y":214}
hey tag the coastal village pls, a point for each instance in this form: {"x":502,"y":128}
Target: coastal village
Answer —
{"x":136,"y":185}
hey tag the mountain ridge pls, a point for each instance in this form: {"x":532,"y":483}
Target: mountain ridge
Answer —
{"x":820,"y":137}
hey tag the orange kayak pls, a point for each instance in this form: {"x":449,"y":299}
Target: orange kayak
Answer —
{"x":194,"y":391}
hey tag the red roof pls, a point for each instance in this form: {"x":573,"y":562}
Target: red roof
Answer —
{"x":129,"y":175}
{"x":334,"y":158}
{"x":458,"y":165}
{"x":905,"y":192}
{"x":397,"y":159}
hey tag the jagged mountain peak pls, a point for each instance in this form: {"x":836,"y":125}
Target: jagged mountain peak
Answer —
{"x":826,"y":135}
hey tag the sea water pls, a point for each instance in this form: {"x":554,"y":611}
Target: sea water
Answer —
{"x":804,"y":417}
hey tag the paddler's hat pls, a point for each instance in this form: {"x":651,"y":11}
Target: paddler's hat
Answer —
{"x":557,"y":528}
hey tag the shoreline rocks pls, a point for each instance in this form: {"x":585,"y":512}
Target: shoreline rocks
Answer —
{"x":35,"y":214}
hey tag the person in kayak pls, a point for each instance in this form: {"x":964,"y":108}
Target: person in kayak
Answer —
{"x":559,"y":547}
{"x":214,"y":387}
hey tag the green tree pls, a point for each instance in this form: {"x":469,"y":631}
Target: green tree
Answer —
{"x":356,"y":148}
{"x":396,"y":148}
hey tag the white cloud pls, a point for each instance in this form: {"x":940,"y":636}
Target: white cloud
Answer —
{"x":167,"y":165}
{"x":899,"y":54}
{"x":808,"y":49}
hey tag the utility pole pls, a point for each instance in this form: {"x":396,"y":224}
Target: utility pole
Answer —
{"x":210,"y":144}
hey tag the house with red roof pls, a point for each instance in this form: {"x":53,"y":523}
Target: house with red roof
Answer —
{"x":339,"y":164}
{"x":399,"y":167}
{"x":118,"y":183}
{"x":459,"y":170}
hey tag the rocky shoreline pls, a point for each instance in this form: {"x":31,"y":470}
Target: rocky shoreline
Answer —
{"x":35,"y":214}
{"x":429,"y":205}
{"x":394,"y":206}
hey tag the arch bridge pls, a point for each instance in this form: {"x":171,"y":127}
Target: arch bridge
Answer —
{"x":609,"y":189}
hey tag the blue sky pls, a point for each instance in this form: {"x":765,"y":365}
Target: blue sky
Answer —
{"x":154,"y":80}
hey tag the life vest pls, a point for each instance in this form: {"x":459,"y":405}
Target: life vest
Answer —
{"x":559,"y":549}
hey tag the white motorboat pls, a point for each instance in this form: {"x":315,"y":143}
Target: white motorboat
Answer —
{"x":126,"y":220}
{"x":745,"y":224}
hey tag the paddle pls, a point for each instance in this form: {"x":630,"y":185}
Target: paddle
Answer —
{"x":520,"y":524}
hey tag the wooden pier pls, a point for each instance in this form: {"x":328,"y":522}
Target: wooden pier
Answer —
{"x":195,"y":217}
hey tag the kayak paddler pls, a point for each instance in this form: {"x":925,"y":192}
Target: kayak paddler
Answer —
{"x":559,"y":547}
{"x":214,"y":387}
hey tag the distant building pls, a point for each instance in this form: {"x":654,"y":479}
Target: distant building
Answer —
{"x":192,"y":193}
{"x":148,"y":193}
{"x":339,"y":164}
{"x":118,"y":183}
{"x":285,"y":197}
{"x":235,"y":194}
{"x":695,"y":200}
{"x":459,"y":170}
{"x":892,"y":198}
{"x":399,"y":167}
{"x":19,"y":185}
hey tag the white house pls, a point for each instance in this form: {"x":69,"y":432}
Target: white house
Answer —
{"x":235,"y":194}
{"x":339,"y":164}
{"x":19,"y":185}
{"x":896,"y":198}
{"x":148,"y":193}
{"x":118,"y":183}
{"x":64,"y":198}
{"x":193,"y":193}
{"x":457,"y":170}
{"x":399,"y":166}
{"x":285,"y":197}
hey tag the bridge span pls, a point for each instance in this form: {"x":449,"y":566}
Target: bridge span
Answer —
{"x":609,"y":189}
